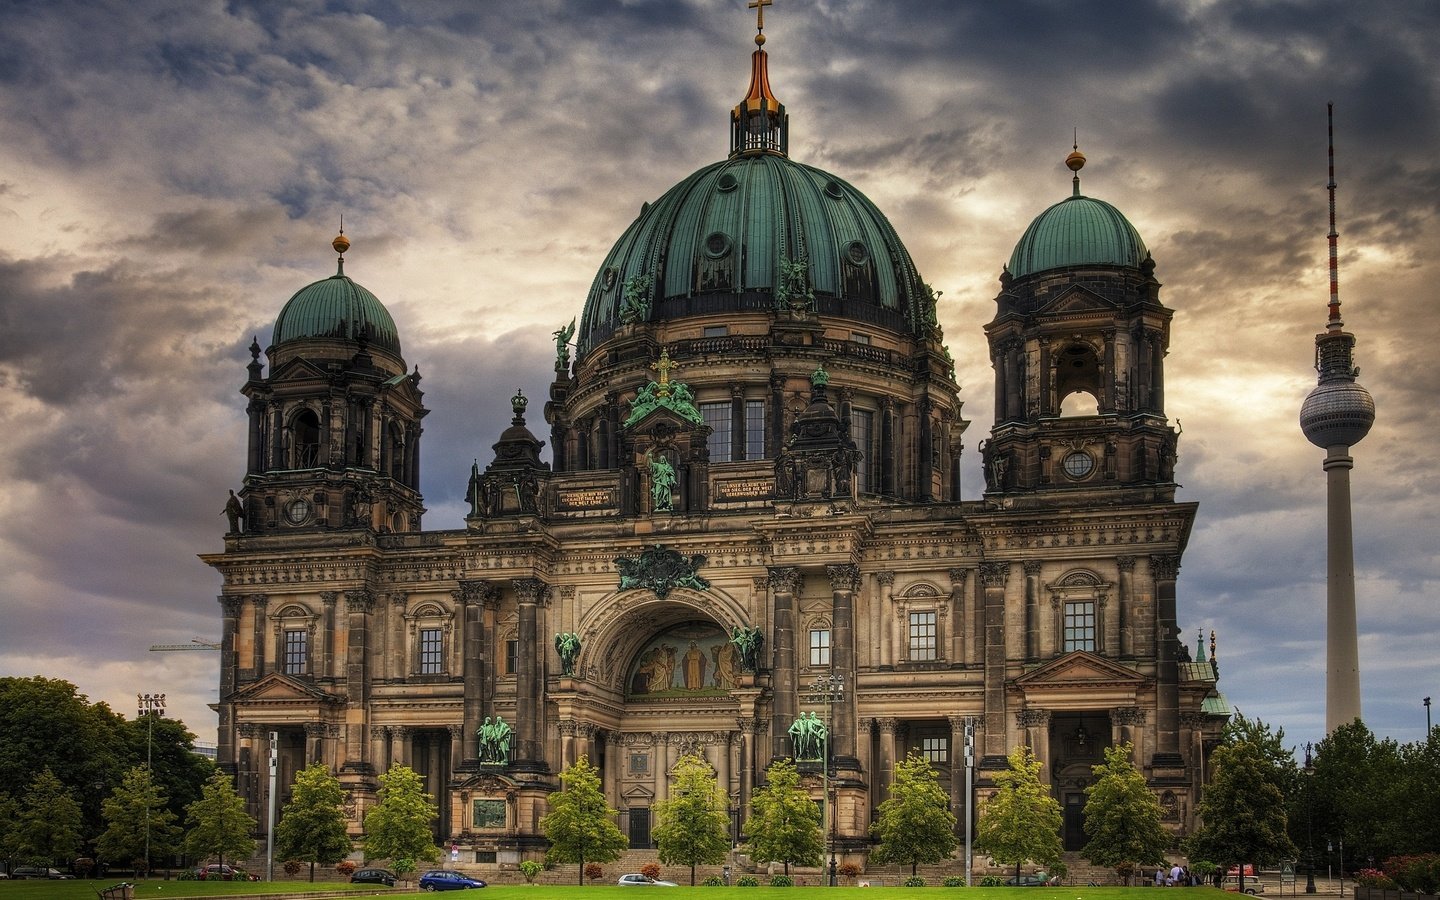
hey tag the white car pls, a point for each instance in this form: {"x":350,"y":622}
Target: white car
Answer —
{"x":638,"y":880}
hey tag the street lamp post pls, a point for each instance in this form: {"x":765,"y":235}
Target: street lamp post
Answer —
{"x":149,"y":705}
{"x":828,"y":689}
{"x":1426,"y":701}
{"x":1309,"y":819}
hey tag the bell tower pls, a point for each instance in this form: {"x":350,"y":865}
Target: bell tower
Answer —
{"x":1078,"y":344}
{"x":334,"y":427}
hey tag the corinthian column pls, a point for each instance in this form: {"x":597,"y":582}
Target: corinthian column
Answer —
{"x":784,"y":581}
{"x":844,"y":580}
{"x":993,"y":576}
{"x":528,"y":707}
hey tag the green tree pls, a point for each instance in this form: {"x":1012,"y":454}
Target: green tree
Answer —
{"x":784,"y":823}
{"x":398,"y":826}
{"x":1415,"y":823}
{"x":693,"y":827}
{"x":169,"y":748}
{"x":1243,"y":812}
{"x":312,"y":827}
{"x":48,"y":827}
{"x":218,"y":824}
{"x":134,"y":806}
{"x":1021,"y":821}
{"x":580,"y":824}
{"x":1357,"y":794}
{"x":9,"y":816}
{"x":1122,"y":817}
{"x":915,"y":824}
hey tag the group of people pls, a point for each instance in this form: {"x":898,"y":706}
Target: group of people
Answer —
{"x":1176,"y":876}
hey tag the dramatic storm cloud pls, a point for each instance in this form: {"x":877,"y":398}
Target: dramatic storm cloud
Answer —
{"x":171,"y":173}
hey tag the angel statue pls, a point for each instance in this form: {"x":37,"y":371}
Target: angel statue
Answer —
{"x":562,"y":346}
{"x":567,"y":644}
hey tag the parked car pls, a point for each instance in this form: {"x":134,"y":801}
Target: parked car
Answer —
{"x":636,"y":879}
{"x":1250,"y":885}
{"x":446,"y":880}
{"x":373,"y":876}
{"x":41,"y":872}
{"x":220,"y":872}
{"x":1028,"y":879}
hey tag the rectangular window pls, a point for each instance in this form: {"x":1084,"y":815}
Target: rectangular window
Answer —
{"x":297,"y":652}
{"x":485,"y":856}
{"x":512,"y":656}
{"x":432,"y":652}
{"x":716,"y":330}
{"x":819,"y":647}
{"x":489,"y":814}
{"x":935,"y":749}
{"x":860,"y":337}
{"x":717,"y":416}
{"x":922,"y":636}
{"x":862,"y":432}
{"x":754,"y":429}
{"x":1080,"y":625}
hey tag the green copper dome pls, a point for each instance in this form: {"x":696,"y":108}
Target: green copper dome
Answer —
{"x":755,"y":232}
{"x":340,"y":309}
{"x":1077,"y":231}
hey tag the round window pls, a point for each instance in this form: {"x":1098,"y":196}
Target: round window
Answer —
{"x":717,"y":244}
{"x":726,"y":183}
{"x":857,"y":254}
{"x":1078,"y":464}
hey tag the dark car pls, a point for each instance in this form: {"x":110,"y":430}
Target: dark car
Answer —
{"x":40,"y":872}
{"x":1033,"y":879}
{"x":373,"y":876}
{"x":446,"y":880}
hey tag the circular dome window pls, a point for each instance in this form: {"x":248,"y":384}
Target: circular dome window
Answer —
{"x":857,"y":253}
{"x":717,"y":245}
{"x":833,"y":189}
{"x":610,"y":277}
{"x":1078,"y":464}
{"x":726,"y":183}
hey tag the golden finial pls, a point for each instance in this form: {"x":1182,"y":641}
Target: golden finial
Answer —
{"x":759,"y":7}
{"x":341,"y":244}
{"x":1075,"y":162}
{"x":664,"y":367}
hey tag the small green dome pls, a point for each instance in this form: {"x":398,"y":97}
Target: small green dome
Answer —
{"x":1077,"y":231}
{"x":728,"y":236}
{"x":339,"y":309}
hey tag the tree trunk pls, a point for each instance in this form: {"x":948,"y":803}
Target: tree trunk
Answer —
{"x":692,"y":874}
{"x":312,"y":871}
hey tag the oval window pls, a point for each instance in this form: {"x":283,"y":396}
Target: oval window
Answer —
{"x":1078,"y":464}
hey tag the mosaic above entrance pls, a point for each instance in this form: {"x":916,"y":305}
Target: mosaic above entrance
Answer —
{"x":693,"y":659}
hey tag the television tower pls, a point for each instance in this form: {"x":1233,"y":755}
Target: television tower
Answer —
{"x":1336,"y":416}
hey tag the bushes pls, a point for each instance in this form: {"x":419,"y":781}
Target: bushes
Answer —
{"x":953,"y":881}
{"x":849,"y":870}
{"x":992,"y":881}
{"x":713,"y":881}
{"x":292,"y":867}
{"x":345,"y":867}
{"x":650,"y":870}
{"x":594,"y":871}
{"x":781,"y":881}
{"x":530,"y":868}
{"x":913,"y":881}
{"x":747,"y":881}
{"x":1419,"y":872}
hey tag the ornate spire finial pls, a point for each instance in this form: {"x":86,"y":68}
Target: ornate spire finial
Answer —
{"x":1075,"y":162}
{"x":664,"y":366}
{"x":341,"y":244}
{"x":759,"y":124}
{"x":518,"y":404}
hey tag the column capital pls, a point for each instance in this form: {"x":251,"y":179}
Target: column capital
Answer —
{"x":248,"y":730}
{"x":784,"y":579}
{"x":994,"y":574}
{"x":315,"y":729}
{"x":1125,"y":563}
{"x":888,"y":726}
{"x":1032,"y":718}
{"x":360,"y":601}
{"x":529,"y":590}
{"x":1127,"y":715}
{"x":845,"y":577}
{"x":456,"y":731}
{"x":379,"y":732}
{"x":231,"y":605}
{"x":259,"y":601}
{"x":957,"y":723}
{"x":399,"y":598}
{"x":958,"y":577}
{"x":475,"y":593}
{"x":1193,"y":720}
{"x":566,"y":727}
{"x":1032,"y":567}
{"x":329,"y":597}
{"x":586,"y":730}
{"x":885,"y":579}
{"x":1165,"y":567}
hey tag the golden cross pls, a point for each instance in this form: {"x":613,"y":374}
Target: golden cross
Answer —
{"x":759,"y":7}
{"x":665,"y":366}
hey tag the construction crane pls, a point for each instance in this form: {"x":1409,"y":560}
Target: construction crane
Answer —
{"x":195,"y":644}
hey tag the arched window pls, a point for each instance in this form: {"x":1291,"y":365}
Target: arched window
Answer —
{"x":1077,"y":380}
{"x":305,"y":440}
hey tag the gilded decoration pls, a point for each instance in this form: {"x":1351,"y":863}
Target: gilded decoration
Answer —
{"x":661,"y":570}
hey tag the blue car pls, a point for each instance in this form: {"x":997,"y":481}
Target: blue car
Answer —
{"x":445,"y":880}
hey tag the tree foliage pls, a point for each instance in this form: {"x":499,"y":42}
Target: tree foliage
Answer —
{"x":1021,"y":821}
{"x":1122,"y":816}
{"x":312,"y":827}
{"x":218,"y":824}
{"x":693,"y":826}
{"x":398,"y":826}
{"x":784,"y":824}
{"x":915,"y":824}
{"x":1242,"y":814}
{"x":581,"y":825}
{"x":136,"y":805}
{"x":48,"y":828}
{"x":1361,"y":793}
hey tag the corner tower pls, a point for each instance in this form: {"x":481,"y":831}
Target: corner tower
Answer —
{"x":1078,"y":344}
{"x":334,"y":427}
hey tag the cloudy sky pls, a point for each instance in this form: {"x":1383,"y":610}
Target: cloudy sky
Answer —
{"x":170,"y":173}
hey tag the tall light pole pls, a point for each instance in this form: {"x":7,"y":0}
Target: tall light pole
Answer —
{"x":1309,"y":771}
{"x":1426,"y":701}
{"x":149,"y":706}
{"x":828,"y":689}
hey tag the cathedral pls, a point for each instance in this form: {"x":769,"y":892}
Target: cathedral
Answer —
{"x":747,"y":531}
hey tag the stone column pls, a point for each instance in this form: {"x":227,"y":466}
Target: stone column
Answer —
{"x":660,"y":765}
{"x":1048,"y":403}
{"x":784,"y":581}
{"x":229,"y":671}
{"x":1107,"y":377}
{"x":379,"y":742}
{"x":1127,"y":726}
{"x":327,"y":634}
{"x":1035,"y":725}
{"x":993,"y":576}
{"x":959,"y":616}
{"x":958,"y":801}
{"x":567,"y":742}
{"x":1124,"y":610}
{"x":358,"y":605}
{"x":400,"y":744}
{"x":258,"y":603}
{"x":1164,"y":570}
{"x":722,"y":762}
{"x":399,"y":665}
{"x":457,"y":745}
{"x":885,"y":634}
{"x":314,"y":734}
{"x":748,"y":732}
{"x":889,"y":753}
{"x":844,"y":581}
{"x":1032,"y":610}
{"x":473,"y":596}
{"x":528,"y":712}
{"x":247,"y":781}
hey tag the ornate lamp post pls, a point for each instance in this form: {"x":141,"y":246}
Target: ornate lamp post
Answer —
{"x":828,"y":689}
{"x":1309,"y":771}
{"x":1426,"y":701}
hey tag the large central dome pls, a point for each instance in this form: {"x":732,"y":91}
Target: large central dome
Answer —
{"x":751,"y":233}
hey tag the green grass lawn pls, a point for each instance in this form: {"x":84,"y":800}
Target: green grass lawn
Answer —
{"x":162,"y":890}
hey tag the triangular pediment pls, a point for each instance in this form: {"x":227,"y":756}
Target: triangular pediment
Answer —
{"x":1079,"y":669}
{"x":1077,"y":299}
{"x":278,"y":688}
{"x":638,"y":792}
{"x":297,"y":369}
{"x":664,"y":420}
